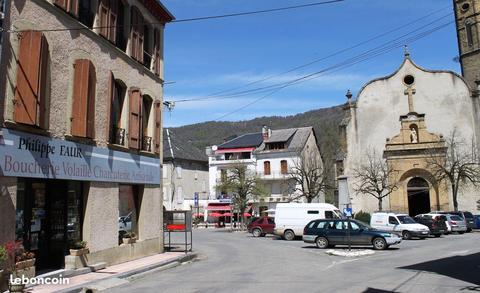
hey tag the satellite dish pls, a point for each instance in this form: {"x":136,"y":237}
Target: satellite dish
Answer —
{"x":214,"y":148}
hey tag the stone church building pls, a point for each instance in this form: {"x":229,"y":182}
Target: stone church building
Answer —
{"x":406,"y":119}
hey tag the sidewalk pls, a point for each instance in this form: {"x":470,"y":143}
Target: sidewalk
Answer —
{"x":116,"y":272}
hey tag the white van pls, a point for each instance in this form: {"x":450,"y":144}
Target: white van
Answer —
{"x":291,"y":218}
{"x":401,"y":223}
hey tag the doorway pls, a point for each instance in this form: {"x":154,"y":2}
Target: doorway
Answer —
{"x":48,"y":218}
{"x":418,"y":196}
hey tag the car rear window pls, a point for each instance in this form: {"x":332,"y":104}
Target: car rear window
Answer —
{"x":322,"y":225}
{"x":468,"y":215}
{"x":311,"y":224}
{"x":455,"y":218}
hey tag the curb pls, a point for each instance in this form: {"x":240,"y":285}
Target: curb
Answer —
{"x":167,"y":264}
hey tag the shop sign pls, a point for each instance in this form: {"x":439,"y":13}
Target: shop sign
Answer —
{"x":27,"y":155}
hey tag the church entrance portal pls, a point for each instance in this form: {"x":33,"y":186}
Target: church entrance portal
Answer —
{"x":418,"y":196}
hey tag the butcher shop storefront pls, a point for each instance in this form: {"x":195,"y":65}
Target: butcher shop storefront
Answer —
{"x":56,"y":192}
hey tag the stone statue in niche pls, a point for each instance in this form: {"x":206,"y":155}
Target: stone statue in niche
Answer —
{"x":413,"y":135}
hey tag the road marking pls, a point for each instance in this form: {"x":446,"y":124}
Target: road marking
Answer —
{"x":459,"y":252}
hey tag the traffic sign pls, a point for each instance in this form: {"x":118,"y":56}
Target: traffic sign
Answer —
{"x":195,"y":199}
{"x":347,"y":212}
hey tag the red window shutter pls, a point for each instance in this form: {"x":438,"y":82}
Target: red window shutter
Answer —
{"x":266,"y":167}
{"x":135,"y":119}
{"x":27,"y":98}
{"x":111,"y":94}
{"x":80,"y":97}
{"x":62,"y":4}
{"x":158,"y":124}
{"x":137,"y":35}
{"x":103,"y":16}
{"x":73,"y":7}
{"x":284,"y":167}
{"x":113,"y":16}
{"x":92,"y":82}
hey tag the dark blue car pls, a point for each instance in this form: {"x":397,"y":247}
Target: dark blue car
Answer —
{"x":477,"y":221}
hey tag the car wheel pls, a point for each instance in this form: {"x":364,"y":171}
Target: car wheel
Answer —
{"x":406,"y":235}
{"x":437,"y":235}
{"x":469,"y":230}
{"x":289,"y":235}
{"x":256,"y":232}
{"x":379,"y":243}
{"x":322,"y":242}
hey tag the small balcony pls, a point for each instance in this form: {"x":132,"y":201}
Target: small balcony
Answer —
{"x":274,"y":175}
{"x":118,"y":136}
{"x":147,"y":144}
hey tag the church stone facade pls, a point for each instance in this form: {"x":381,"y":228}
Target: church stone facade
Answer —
{"x":400,"y":117}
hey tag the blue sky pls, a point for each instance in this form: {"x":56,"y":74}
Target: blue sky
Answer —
{"x":205,"y":57}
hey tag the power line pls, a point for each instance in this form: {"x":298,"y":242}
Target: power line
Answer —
{"x":346,"y":65}
{"x":257,"y":11}
{"x":182,"y":20}
{"x":307,"y":77}
{"x":215,"y":94}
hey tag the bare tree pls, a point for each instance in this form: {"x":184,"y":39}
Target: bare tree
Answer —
{"x":373,"y":177}
{"x":243,"y":184}
{"x":309,"y":178}
{"x":459,"y":166}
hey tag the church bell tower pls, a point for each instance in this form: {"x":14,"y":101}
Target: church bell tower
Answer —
{"x":467,"y":16}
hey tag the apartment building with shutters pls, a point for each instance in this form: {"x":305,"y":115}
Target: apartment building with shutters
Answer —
{"x":81,"y":91}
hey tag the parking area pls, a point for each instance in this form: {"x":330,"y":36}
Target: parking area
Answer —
{"x":239,"y":262}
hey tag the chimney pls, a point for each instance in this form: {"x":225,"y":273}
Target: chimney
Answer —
{"x":265,"y":133}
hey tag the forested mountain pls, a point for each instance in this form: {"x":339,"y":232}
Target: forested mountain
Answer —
{"x":325,"y":122}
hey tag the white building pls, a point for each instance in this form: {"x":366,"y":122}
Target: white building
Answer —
{"x":270,"y":155}
{"x":184,"y":174}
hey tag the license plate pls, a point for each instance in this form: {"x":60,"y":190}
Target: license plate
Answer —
{"x":424,"y":232}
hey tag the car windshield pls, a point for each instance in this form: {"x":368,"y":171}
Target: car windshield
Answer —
{"x":406,"y":220}
{"x":455,"y":218}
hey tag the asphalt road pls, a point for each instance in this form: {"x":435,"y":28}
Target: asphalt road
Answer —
{"x":237,"y":262}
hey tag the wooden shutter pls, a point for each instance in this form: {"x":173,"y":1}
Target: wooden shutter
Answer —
{"x":158,"y":124}
{"x":112,"y":20}
{"x":31,"y":78}
{"x":73,"y":7}
{"x":266,"y":167}
{"x":135,"y":119}
{"x":83,"y":105}
{"x":62,"y":4}
{"x":111,"y":95}
{"x":103,"y":16}
{"x":157,"y":52}
{"x":137,"y":35}
{"x":92,"y":82}
{"x":284,"y":167}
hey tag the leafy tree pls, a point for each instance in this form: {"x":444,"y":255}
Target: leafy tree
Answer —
{"x":373,"y":177}
{"x":243,"y":185}
{"x":459,"y":166}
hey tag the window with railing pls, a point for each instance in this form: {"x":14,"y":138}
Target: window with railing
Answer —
{"x":118,"y":89}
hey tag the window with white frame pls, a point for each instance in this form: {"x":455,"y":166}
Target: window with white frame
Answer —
{"x":179,"y":171}
{"x":179,"y":194}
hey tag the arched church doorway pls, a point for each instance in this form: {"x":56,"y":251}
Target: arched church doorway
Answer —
{"x":418,"y":196}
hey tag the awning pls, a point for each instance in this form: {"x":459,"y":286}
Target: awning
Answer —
{"x":218,"y":207}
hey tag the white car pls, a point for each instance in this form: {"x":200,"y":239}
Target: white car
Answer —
{"x":401,"y":224}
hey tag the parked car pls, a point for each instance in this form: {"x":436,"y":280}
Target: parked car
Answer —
{"x":399,"y":223}
{"x":436,"y":224}
{"x":261,"y":226}
{"x":442,"y":215}
{"x":457,"y":223}
{"x":291,"y":218}
{"x":330,"y":232}
{"x":477,"y":221}
{"x":468,"y":217}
